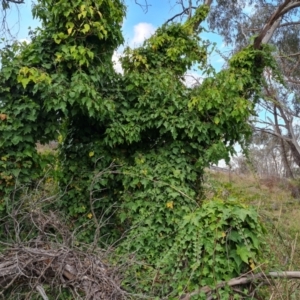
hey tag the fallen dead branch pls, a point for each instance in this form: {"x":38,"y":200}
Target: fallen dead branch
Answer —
{"x":259,"y":278}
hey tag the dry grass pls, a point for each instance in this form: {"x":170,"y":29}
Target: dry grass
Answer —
{"x":47,"y":148}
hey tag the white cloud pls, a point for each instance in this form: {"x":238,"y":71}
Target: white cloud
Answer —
{"x":27,"y":41}
{"x":117,"y":64}
{"x":142,"y":31}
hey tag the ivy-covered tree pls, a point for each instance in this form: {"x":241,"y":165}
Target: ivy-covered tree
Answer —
{"x":133,"y":147}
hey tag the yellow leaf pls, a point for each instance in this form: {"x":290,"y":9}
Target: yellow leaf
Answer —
{"x":3,"y":117}
{"x":91,"y":10}
{"x":87,"y":27}
{"x":24,"y":70}
{"x":72,"y":49}
{"x":58,"y":57}
{"x":216,"y":120}
{"x":91,"y":154}
{"x":170,"y":204}
{"x":223,"y":234}
{"x":57,"y":41}
{"x":89,"y":215}
{"x":24,"y":81}
{"x":70,"y":26}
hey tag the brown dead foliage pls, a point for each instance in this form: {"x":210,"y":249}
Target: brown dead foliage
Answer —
{"x":83,"y":273}
{"x":51,"y":260}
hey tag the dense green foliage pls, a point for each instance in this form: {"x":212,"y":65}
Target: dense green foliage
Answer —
{"x":214,"y":242}
{"x":133,"y":147}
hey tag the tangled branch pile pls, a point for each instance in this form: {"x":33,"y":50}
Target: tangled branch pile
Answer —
{"x":82,"y":273}
{"x":39,"y":264}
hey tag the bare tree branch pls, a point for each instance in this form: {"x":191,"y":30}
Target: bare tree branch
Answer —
{"x":242,"y":280}
{"x":42,"y":292}
{"x":143,"y":6}
{"x":274,"y":21}
{"x":14,"y":1}
{"x":188,"y":9}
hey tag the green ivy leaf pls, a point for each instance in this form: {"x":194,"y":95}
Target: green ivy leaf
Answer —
{"x":243,"y":253}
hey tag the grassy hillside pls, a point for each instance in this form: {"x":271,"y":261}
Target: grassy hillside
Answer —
{"x":280,"y":213}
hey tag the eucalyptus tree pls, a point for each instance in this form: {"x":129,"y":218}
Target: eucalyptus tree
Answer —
{"x":275,"y":22}
{"x":282,"y":99}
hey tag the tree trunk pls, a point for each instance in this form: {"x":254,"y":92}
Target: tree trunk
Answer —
{"x":292,"y":142}
{"x":288,"y":171}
